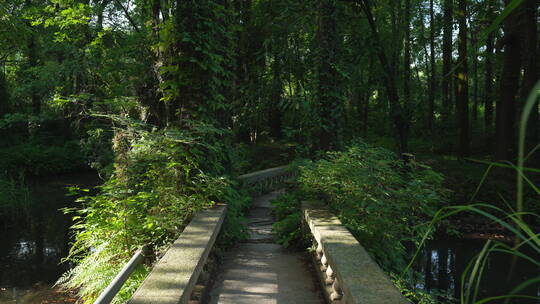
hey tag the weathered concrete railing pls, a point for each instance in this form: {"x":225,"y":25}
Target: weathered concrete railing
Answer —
{"x":173,"y":278}
{"x":265,"y":180}
{"x":347,"y":271}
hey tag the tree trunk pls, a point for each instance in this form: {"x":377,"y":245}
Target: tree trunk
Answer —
{"x":399,"y":118}
{"x":407,"y":57}
{"x":149,"y":93}
{"x":33,"y":62}
{"x":330,"y":107}
{"x":100,"y":7}
{"x":529,"y":41}
{"x":433,"y":76}
{"x":509,"y":84}
{"x":462,"y":103}
{"x":488,"y":78}
{"x":365,"y":100}
{"x":446,"y":81}
{"x":274,"y":113}
{"x":4,"y":94}
{"x":475,"y":81}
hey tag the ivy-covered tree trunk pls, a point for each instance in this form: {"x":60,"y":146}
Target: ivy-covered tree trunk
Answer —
{"x":462,"y":98}
{"x":149,"y":92}
{"x":245,"y":67}
{"x":199,"y":67}
{"x":330,"y":105}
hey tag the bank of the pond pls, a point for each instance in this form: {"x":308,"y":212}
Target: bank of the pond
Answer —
{"x":442,"y":263}
{"x":35,"y":239}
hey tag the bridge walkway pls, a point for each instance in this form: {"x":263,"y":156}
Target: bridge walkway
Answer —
{"x":260,"y":271}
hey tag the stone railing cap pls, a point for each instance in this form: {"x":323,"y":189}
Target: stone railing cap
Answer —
{"x":362,"y":280}
{"x":174,"y":276}
{"x":262,"y":174}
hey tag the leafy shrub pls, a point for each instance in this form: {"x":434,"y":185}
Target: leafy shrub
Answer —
{"x":97,"y":150}
{"x":287,"y":226}
{"x":382,"y":200}
{"x":161,"y":179}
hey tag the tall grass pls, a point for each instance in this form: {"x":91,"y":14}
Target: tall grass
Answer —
{"x":512,"y":220}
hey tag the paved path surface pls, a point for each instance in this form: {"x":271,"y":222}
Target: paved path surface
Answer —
{"x":262,"y":272}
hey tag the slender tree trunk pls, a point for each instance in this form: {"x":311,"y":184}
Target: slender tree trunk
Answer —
{"x":475,"y":80}
{"x":446,"y":81}
{"x":366,"y":97}
{"x":529,"y":40}
{"x":407,"y":57}
{"x":397,"y":114}
{"x":365,"y":113}
{"x":462,"y":102}
{"x":433,"y":76}
{"x":330,"y":107}
{"x":395,"y":42}
{"x":100,"y":6}
{"x":4,"y":94}
{"x":509,"y":84}
{"x":274,"y":113}
{"x":33,"y":62}
{"x":488,"y":78}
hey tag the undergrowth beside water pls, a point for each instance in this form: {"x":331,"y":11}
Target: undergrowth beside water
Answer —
{"x":161,"y":179}
{"x":382,"y":200}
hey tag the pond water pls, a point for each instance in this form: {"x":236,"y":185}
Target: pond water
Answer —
{"x":443,"y":262}
{"x":35,"y":239}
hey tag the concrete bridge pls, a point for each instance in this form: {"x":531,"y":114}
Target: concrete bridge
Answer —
{"x":259,"y":271}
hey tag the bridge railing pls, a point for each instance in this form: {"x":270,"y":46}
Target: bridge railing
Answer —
{"x":116,"y":284}
{"x":347,"y":272}
{"x":173,"y":277}
{"x":266,"y":180}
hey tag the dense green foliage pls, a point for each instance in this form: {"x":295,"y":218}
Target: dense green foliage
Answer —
{"x":383,"y":201}
{"x":149,"y":199}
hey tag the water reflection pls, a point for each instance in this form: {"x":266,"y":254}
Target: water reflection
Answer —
{"x":443,"y":263}
{"x":34,"y":240}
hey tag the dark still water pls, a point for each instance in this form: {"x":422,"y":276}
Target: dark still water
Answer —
{"x":35,"y":236}
{"x":443,"y":262}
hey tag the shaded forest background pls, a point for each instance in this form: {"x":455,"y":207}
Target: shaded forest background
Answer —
{"x":436,"y":79}
{"x":312,"y":73}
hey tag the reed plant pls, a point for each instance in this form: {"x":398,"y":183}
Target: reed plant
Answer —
{"x":515,"y":219}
